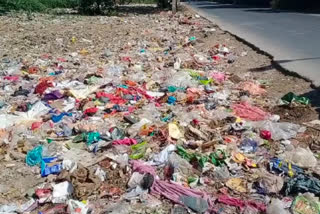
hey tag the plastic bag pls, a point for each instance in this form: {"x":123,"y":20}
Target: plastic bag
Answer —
{"x":181,"y":79}
{"x":180,"y":165}
{"x":291,"y":97}
{"x":77,"y":207}
{"x":34,"y":157}
{"x":61,"y":192}
{"x":174,"y":131}
{"x":219,"y":76}
{"x":246,"y":111}
{"x":138,"y":150}
{"x":276,"y":207}
{"x":163,"y":156}
{"x":252,"y":88}
{"x":279,"y":131}
{"x":301,"y":157}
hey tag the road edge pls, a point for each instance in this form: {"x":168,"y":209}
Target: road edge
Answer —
{"x":276,"y":65}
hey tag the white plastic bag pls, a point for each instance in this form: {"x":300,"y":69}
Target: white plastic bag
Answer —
{"x":279,"y":131}
{"x":61,"y":192}
{"x":163,"y":156}
{"x":276,"y":207}
{"x":301,"y":157}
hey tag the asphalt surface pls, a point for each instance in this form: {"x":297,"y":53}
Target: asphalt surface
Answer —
{"x":292,"y":38}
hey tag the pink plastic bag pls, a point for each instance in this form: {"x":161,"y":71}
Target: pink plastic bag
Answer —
{"x":246,"y":111}
{"x":219,"y":76}
{"x":126,"y":141}
{"x":252,"y":88}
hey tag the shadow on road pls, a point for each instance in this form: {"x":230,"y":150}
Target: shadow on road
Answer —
{"x":294,"y":60}
{"x":267,"y":10}
{"x":226,"y":6}
{"x":270,"y":10}
{"x":250,"y":8}
{"x":272,"y":66}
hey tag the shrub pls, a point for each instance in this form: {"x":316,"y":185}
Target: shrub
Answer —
{"x":295,"y":4}
{"x":254,"y":2}
{"x":93,"y":7}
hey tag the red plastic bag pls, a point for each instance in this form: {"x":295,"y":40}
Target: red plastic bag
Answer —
{"x":42,"y":87}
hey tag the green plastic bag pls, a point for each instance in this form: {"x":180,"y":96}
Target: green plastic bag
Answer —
{"x":192,"y":39}
{"x":218,"y":157}
{"x":174,"y":89}
{"x":184,"y":154}
{"x":138,"y":150}
{"x":201,"y":159}
{"x":92,"y":137}
{"x":206,"y":82}
{"x":89,"y":138}
{"x":34,"y":156}
{"x":291,"y":97}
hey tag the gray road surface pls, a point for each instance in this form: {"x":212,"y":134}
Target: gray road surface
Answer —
{"x":292,"y":38}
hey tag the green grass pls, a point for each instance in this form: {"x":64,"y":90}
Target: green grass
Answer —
{"x":36,"y":5}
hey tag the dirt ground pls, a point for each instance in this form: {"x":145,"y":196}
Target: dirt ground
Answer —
{"x":28,"y":37}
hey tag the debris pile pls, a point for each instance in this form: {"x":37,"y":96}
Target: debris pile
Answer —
{"x":150,"y":124}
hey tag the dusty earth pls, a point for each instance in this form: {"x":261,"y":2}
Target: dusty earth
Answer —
{"x":28,"y":37}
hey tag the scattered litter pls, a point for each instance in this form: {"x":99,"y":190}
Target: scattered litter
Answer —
{"x":145,"y":115}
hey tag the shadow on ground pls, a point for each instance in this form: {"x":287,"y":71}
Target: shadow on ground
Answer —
{"x":143,"y":10}
{"x":118,"y":10}
{"x":314,"y":97}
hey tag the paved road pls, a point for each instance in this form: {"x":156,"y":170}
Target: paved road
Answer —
{"x":292,"y":38}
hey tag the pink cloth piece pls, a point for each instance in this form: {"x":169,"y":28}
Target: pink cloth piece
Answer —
{"x":141,"y":167}
{"x":241,"y":203}
{"x":126,"y":141}
{"x":11,"y":78}
{"x":171,"y":191}
{"x":174,"y":191}
{"x":114,"y":99}
{"x":219,"y":76}
{"x":252,"y":88}
{"x":246,"y":111}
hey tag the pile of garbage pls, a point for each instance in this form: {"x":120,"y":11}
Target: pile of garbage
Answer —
{"x":156,"y":123}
